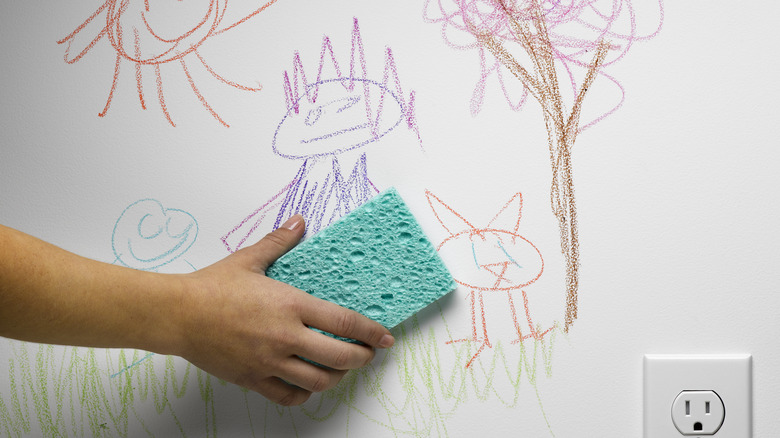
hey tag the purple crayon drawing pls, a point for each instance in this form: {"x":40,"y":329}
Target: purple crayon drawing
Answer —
{"x":327,"y":126}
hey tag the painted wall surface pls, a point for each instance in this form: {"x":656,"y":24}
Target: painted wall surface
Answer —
{"x":219,"y":119}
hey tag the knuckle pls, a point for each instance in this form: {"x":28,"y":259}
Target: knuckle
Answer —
{"x":245,"y":380}
{"x":370,"y":356}
{"x":297,"y":305}
{"x":292,"y":398}
{"x":291,"y":304}
{"x":376,"y":333}
{"x":276,"y":238}
{"x":321,"y":382}
{"x":341,"y":359}
{"x":288,"y":342}
{"x":281,"y":340}
{"x":347,"y":323}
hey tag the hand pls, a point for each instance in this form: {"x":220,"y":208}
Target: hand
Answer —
{"x":248,"y":329}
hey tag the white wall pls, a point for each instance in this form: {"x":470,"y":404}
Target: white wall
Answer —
{"x":677,"y":199}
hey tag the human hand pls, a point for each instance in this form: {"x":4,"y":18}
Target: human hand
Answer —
{"x":248,"y":329}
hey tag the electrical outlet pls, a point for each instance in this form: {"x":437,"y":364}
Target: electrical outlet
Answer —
{"x":697,"y":395}
{"x":698,"y":412}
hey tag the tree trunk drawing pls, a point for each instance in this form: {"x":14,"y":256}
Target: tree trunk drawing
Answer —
{"x":562,"y":126}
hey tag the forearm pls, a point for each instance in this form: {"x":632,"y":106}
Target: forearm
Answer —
{"x":53,"y":296}
{"x":229,"y":319}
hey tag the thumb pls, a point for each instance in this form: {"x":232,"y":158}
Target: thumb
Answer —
{"x":277,"y":243}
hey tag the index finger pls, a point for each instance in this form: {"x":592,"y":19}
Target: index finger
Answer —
{"x":340,"y":321}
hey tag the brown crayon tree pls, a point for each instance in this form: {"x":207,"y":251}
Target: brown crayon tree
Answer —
{"x":529,"y":30}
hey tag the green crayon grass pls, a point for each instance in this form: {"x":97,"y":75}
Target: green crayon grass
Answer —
{"x":419,"y":384}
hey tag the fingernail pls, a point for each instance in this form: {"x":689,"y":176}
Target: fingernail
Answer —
{"x":386,"y":341}
{"x":293,"y":223}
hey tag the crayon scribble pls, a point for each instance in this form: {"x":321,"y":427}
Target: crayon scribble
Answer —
{"x":151,"y":34}
{"x":148,"y":237}
{"x":504,"y":262}
{"x":328,"y":123}
{"x":538,"y":30}
{"x":64,"y":391}
{"x":573,"y":27}
{"x":103,"y":392}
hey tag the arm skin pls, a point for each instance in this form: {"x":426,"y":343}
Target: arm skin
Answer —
{"x":228,"y":319}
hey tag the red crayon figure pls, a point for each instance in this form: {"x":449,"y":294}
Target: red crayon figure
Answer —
{"x":150,"y":34}
{"x":504,"y":262}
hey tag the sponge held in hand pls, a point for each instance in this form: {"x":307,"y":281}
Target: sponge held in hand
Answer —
{"x":375,"y":260}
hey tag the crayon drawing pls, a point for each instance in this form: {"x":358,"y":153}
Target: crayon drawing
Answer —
{"x":573,"y":29}
{"x":99,"y":392}
{"x":143,"y":34}
{"x":440,"y":371}
{"x":414,"y":389}
{"x":504,"y":262}
{"x":537,"y":29}
{"x":328,"y":124}
{"x":149,"y":237}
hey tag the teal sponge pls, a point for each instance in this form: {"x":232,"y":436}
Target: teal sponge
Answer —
{"x":375,"y":260}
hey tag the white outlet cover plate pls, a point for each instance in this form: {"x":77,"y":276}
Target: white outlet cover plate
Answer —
{"x":666,"y":375}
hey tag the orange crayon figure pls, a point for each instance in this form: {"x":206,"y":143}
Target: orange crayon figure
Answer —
{"x":150,"y":34}
{"x":504,"y":262}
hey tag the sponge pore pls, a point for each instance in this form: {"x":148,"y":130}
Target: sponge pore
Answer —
{"x":375,"y":260}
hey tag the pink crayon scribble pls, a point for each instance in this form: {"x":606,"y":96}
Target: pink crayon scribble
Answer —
{"x":575,"y":27}
{"x":330,"y":121}
{"x":150,"y":34}
{"x":504,"y":262}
